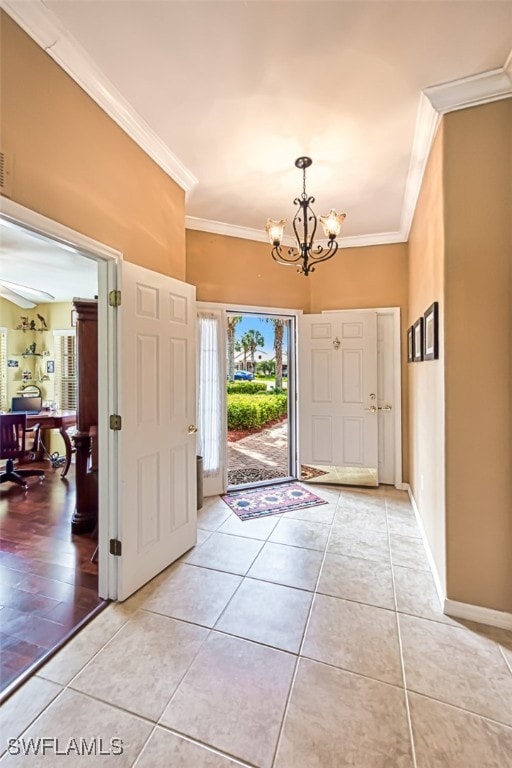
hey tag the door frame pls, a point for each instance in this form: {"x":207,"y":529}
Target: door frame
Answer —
{"x":107,"y":260}
{"x":292,"y":314}
{"x":397,"y":379}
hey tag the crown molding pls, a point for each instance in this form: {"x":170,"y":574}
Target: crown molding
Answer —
{"x":258,"y":235}
{"x":427,"y":122}
{"x":472,"y":91}
{"x":46,"y":30}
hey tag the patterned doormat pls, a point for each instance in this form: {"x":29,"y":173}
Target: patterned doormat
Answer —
{"x":260,"y":502}
{"x":253,"y":475}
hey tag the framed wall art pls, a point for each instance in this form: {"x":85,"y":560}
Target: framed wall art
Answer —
{"x":431,"y":332}
{"x":417,"y":340}
{"x":410,"y":343}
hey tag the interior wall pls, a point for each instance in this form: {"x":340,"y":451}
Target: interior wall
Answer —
{"x":235,"y":271}
{"x":72,"y":163}
{"x":478,"y":348}
{"x":426,"y":379}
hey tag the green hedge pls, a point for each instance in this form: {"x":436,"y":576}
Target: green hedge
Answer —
{"x":250,"y":412}
{"x":246,"y":387}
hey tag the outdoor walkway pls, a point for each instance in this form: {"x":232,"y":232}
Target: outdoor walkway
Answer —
{"x":262,"y":456}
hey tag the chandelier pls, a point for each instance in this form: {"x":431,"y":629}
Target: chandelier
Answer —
{"x":305,"y":255}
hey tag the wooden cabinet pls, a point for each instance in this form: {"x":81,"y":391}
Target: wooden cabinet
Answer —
{"x":85,"y":517}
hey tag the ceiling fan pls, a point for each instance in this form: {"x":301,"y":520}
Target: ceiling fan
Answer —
{"x":22,"y":295}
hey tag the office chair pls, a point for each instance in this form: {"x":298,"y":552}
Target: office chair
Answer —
{"x":13,"y":432}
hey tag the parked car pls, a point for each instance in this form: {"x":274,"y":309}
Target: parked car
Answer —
{"x":243,"y":376}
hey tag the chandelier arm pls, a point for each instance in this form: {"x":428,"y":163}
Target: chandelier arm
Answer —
{"x":316,"y":256}
{"x":288,"y":260}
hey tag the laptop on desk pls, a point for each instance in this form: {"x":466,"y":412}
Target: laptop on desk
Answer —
{"x":29,"y":405}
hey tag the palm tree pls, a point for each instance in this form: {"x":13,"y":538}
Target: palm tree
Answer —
{"x":242,"y":346}
{"x":233,"y":321}
{"x":253,"y":339}
{"x":278,"y":347}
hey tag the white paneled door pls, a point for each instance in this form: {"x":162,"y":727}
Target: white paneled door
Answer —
{"x":157,"y":442}
{"x":338,"y":398}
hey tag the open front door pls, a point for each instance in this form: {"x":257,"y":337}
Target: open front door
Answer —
{"x":338,"y":391}
{"x":157,"y":444}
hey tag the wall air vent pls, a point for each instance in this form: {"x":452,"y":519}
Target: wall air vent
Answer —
{"x":5,"y":174}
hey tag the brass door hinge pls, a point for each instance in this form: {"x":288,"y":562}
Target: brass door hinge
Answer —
{"x":114,"y":298}
{"x":115,"y":547}
{"x":115,"y":422}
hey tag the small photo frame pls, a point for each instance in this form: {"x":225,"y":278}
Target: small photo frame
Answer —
{"x":410,"y":342}
{"x":74,"y":315}
{"x":50,"y":366}
{"x":417,"y":341}
{"x":431,"y":332}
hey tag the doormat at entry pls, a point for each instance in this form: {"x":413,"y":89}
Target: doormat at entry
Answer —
{"x":260,"y":502}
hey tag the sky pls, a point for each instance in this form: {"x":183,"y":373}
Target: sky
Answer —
{"x":256,"y":323}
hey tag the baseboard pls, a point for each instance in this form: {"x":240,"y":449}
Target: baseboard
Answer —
{"x":453,"y":608}
{"x":430,"y":557}
{"x":478,"y":613}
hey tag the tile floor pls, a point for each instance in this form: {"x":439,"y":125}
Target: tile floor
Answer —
{"x":308,"y":640}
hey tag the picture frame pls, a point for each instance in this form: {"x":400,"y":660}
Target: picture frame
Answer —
{"x":50,"y":366}
{"x":431,"y":332}
{"x":417,"y":340}
{"x":410,"y":343}
{"x":74,"y":315}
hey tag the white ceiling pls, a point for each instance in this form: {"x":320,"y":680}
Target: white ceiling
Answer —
{"x":228,"y":94}
{"x":36,"y":262}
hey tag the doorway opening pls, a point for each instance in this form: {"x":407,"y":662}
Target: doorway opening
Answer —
{"x":260,"y":392}
{"x":50,"y":574}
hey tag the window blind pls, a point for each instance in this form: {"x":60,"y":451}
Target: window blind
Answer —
{"x":65,"y":371}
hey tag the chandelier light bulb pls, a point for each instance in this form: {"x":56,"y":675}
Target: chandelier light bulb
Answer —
{"x":275,"y":231}
{"x":332,"y":223}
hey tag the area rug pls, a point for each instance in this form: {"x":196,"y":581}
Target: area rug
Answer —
{"x":261,"y":502}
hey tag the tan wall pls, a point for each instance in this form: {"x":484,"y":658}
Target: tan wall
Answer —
{"x":232,"y":270}
{"x":478,"y":342}
{"x":73,"y":164}
{"x":426,"y":379}
{"x":375,"y":276}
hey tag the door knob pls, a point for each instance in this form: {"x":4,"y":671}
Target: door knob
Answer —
{"x":372,"y":409}
{"x":192,"y":429}
{"x":385,"y":407}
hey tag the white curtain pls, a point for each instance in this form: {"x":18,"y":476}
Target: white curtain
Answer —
{"x":210,"y":394}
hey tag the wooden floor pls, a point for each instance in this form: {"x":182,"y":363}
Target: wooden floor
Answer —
{"x":48,"y":584}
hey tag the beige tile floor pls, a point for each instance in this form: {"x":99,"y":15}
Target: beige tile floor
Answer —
{"x":308,"y":640}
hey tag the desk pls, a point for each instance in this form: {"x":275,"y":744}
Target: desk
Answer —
{"x":60,"y":420}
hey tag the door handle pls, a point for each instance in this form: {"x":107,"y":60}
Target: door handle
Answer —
{"x":192,"y":429}
{"x":372,"y":409}
{"x":385,"y":407}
